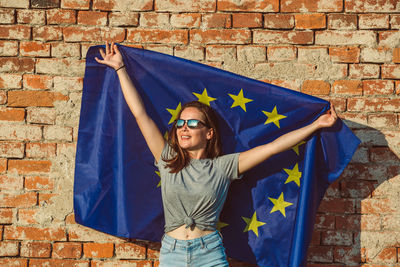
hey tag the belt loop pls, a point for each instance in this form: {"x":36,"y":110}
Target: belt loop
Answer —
{"x":173,"y":245}
{"x":220,"y":234}
{"x":202,"y":242}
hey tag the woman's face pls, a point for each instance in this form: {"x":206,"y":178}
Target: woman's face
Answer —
{"x":193,"y":139}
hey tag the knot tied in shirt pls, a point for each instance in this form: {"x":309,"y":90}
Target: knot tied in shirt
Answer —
{"x":189,"y":222}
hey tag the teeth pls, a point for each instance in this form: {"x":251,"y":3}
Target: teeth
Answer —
{"x":185,"y":136}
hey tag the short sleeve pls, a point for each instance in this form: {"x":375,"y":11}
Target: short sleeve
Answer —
{"x":229,"y":164}
{"x":166,"y":153}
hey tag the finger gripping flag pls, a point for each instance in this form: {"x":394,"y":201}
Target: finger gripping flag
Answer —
{"x":269,"y":214}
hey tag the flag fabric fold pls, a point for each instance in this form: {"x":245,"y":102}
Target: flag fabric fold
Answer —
{"x":269,"y":215}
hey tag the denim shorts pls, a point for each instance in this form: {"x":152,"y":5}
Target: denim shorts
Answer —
{"x":204,"y":251}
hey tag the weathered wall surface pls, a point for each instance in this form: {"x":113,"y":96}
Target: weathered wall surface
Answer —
{"x":346,"y":51}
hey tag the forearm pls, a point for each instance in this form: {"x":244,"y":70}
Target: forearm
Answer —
{"x":132,"y":97}
{"x":292,"y":138}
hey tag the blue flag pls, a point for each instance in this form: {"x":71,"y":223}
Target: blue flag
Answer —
{"x":269,"y":215}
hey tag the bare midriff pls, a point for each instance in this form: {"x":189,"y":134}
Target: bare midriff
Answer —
{"x":184,"y":233}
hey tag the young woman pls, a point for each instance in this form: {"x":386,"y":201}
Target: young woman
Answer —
{"x":194,"y":175}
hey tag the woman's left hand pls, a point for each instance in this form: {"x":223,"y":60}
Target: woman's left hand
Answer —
{"x":328,"y":119}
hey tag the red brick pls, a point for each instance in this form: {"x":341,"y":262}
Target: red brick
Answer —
{"x":220,"y":52}
{"x":376,"y":206}
{"x":390,"y":71}
{"x":348,"y":87}
{"x":337,"y":238}
{"x":228,"y":36}
{"x":157,"y":36}
{"x":364,"y":71}
{"x":48,"y":33}
{"x":320,"y":254}
{"x":184,"y":5}
{"x":8,"y":48}
{"x":13,"y":262}
{"x":41,"y":115}
{"x":92,"y":18}
{"x":44,"y":4}
{"x":282,"y":37}
{"x":34,"y":98}
{"x":324,"y":221}
{"x":357,"y":189}
{"x":29,"y":166}
{"x":395,"y":21}
{"x":35,"y":249}
{"x":187,"y":20}
{"x":387,"y":255}
{"x":292,"y":85}
{"x":18,"y":200}
{"x":311,"y":6}
{"x":47,"y":198}
{"x":33,"y":17}
{"x":388,"y":38}
{"x":371,"y":6}
{"x":61,"y":16}
{"x":76,"y":4}
{"x":337,"y":205}
{"x":278,"y":21}
{"x":135,"y":263}
{"x":397,"y":87}
{"x":34,"y":49}
{"x":33,"y":81}
{"x":373,"y":21}
{"x":67,"y":250}
{"x":12,"y":114}
{"x":310,"y":21}
{"x":249,"y":5}
{"x":218,"y":20}
{"x":16,"y":32}
{"x":11,"y":149}
{"x":98,"y":250}
{"x":396,"y":55}
{"x":342,"y":21}
{"x":12,"y":64}
{"x":348,"y":222}
{"x":315,"y":238}
{"x":34,"y":233}
{"x":382,"y":154}
{"x":7,"y":16}
{"x":247,"y":20}
{"x":58,"y":263}
{"x":314,"y":87}
{"x":40,"y":150}
{"x":10,"y":81}
{"x":123,"y":19}
{"x":130,"y":251}
{"x":3,"y":97}
{"x":373,"y":104}
{"x":81,"y":34}
{"x":6,"y":216}
{"x":153,"y":250}
{"x":38,"y":183}
{"x":349,"y":255}
{"x":8,"y":248}
{"x":28,"y":216}
{"x":152,"y":19}
{"x":378,"y":87}
{"x":281,"y":53}
{"x":349,"y":54}
{"x":113,"y":34}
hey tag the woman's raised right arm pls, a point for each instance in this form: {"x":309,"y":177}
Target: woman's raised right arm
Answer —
{"x":154,"y":139}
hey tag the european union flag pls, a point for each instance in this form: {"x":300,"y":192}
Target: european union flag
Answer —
{"x":269,"y":215}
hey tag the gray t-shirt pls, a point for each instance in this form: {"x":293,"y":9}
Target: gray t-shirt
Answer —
{"x":195,"y":195}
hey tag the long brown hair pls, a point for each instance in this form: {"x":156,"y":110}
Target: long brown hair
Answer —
{"x":214,"y":147}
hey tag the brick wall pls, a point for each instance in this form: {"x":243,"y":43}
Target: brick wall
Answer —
{"x":346,"y":51}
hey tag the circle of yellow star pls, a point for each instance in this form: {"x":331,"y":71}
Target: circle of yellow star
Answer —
{"x":174,"y":113}
{"x":273,"y":117}
{"x":159,"y":183}
{"x":294,"y":175}
{"x":280,"y":204}
{"x":204,"y":98}
{"x":296,"y":147}
{"x":240,"y":100}
{"x":221,"y":225}
{"x":252,"y":224}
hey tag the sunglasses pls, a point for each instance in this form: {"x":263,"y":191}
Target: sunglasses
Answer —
{"x":191,"y":123}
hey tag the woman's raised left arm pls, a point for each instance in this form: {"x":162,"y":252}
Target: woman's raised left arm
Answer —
{"x":252,"y":157}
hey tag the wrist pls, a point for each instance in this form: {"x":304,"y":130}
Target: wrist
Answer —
{"x":119,"y":67}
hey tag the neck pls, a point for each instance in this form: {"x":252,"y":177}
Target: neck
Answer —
{"x":197,"y":154}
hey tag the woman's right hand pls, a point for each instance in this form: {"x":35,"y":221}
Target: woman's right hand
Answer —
{"x":112,"y":57}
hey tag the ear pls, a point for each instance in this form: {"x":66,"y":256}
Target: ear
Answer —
{"x":210,"y":134}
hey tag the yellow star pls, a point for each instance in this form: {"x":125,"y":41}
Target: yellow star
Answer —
{"x":204,"y":98}
{"x":240,"y":100}
{"x":166,"y":135}
{"x":280,"y":204}
{"x":174,"y":113}
{"x":159,"y":183}
{"x":294,"y":175}
{"x":221,"y":225}
{"x":273,"y":117}
{"x":296,"y":147}
{"x":252,"y":224}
